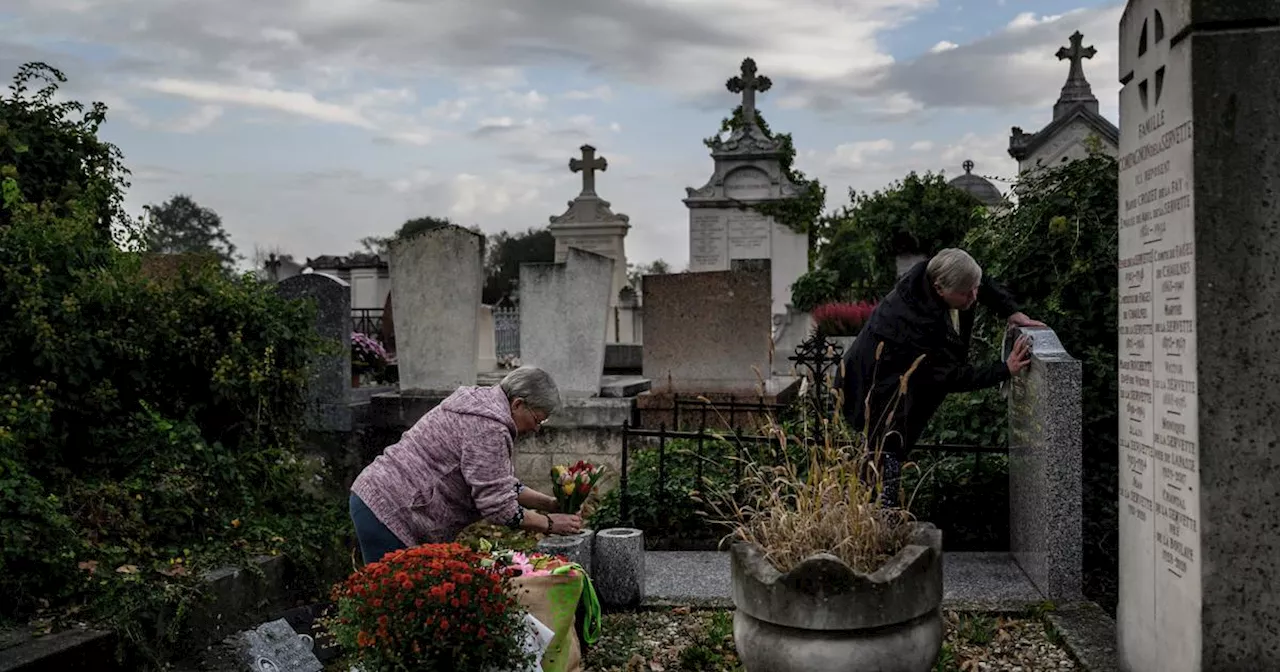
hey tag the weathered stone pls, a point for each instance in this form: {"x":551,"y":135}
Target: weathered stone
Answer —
{"x":271,"y":647}
{"x":823,"y":615}
{"x":563,"y":312}
{"x":574,"y":548}
{"x":1046,"y":466}
{"x":330,"y":383}
{"x":1199,"y":249}
{"x":436,"y":278}
{"x":619,"y":567}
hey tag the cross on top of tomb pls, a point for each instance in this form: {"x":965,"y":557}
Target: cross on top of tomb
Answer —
{"x":968,"y":166}
{"x":748,"y":83}
{"x":588,"y":165}
{"x":1077,"y":89}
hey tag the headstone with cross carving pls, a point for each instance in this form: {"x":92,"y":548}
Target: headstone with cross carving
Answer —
{"x":725,"y":231}
{"x":591,"y":225}
{"x":1199,"y":240}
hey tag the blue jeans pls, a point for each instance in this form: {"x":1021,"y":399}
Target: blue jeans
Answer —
{"x":374,"y":537}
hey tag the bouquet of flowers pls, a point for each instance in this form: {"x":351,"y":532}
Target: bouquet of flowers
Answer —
{"x":551,"y":589}
{"x":368,"y":355}
{"x":573,"y":485}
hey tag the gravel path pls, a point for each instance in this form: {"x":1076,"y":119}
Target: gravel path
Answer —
{"x":681,"y":639}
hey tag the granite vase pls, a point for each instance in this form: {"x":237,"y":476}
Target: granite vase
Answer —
{"x":824,"y":616}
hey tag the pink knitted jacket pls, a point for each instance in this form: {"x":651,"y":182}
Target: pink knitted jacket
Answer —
{"x":451,"y":469}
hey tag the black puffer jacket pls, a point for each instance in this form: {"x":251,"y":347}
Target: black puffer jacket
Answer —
{"x":912,"y":321}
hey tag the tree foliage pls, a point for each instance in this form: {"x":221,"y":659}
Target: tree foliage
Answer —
{"x":915,"y":215}
{"x":149,"y":422}
{"x":56,"y":149}
{"x":506,"y":252}
{"x":637,"y":271}
{"x":182,"y":226}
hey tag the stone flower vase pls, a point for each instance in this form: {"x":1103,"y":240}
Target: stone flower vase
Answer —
{"x":824,"y":616}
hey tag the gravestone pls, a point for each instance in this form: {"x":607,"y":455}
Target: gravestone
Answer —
{"x":724,"y":232}
{"x":1046,"y":512}
{"x":1199,"y":245}
{"x":436,"y":278}
{"x":707,"y":332}
{"x":563,"y":313}
{"x":329,"y":387}
{"x":591,"y":225}
{"x":271,"y":647}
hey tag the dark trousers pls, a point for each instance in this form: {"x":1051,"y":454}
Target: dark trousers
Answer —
{"x":374,"y":537}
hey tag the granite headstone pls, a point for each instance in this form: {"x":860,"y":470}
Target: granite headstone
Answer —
{"x":1045,"y":463}
{"x":271,"y":647}
{"x":330,"y":384}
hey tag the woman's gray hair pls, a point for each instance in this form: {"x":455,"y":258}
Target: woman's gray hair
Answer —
{"x":954,"y":270}
{"x":535,"y":386}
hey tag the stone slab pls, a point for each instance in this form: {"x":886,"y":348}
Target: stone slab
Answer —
{"x":436,"y":278}
{"x":73,"y":649}
{"x":564,"y":310}
{"x":623,"y":357}
{"x":1089,"y":635}
{"x":1046,"y":465}
{"x":270,"y":647}
{"x":707,"y":332}
{"x":330,"y":383}
{"x":623,"y":386}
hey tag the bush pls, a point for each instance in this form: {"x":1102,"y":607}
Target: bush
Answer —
{"x":432,"y":607}
{"x":151,"y":420}
{"x":842,"y":319}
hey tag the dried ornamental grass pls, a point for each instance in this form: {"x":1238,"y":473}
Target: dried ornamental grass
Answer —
{"x":829,"y":500}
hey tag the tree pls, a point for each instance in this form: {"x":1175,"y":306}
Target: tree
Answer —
{"x":636,"y":271}
{"x":181,"y":226}
{"x":379,"y":245}
{"x":505,"y":255}
{"x":916,"y":215}
{"x":56,"y":150}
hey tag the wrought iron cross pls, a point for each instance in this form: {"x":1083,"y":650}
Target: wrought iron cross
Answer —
{"x":588,"y":165}
{"x":1076,"y":54}
{"x":747,"y":84}
{"x":968,"y":166}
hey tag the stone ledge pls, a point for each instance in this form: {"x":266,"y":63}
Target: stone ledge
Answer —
{"x":75,"y":649}
{"x":1089,"y":635}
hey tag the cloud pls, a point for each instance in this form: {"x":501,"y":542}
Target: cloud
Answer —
{"x":602,"y":92}
{"x":199,"y":119}
{"x":291,"y":102}
{"x":1014,"y":67}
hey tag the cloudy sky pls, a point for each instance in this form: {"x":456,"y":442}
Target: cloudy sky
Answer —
{"x":308,"y":124}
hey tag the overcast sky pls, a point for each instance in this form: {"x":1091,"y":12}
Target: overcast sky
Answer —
{"x":308,"y":124}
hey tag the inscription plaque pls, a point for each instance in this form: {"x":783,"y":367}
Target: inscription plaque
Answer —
{"x":746,"y":184}
{"x":708,"y":241}
{"x":1158,"y":617}
{"x":748,"y":235}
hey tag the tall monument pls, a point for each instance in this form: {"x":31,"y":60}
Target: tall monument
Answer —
{"x":726,"y":235}
{"x":590,"y":224}
{"x":1076,"y":119}
{"x":1199,"y":415}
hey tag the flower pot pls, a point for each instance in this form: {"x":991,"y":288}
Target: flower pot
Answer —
{"x":824,"y":616}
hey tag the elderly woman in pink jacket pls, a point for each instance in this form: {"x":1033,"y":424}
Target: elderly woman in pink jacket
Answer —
{"x":454,"y":468}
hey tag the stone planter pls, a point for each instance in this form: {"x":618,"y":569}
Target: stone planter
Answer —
{"x":823,"y":615}
{"x":574,"y":548}
{"x":619,"y":567}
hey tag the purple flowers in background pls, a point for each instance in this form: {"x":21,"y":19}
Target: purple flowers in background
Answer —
{"x":367,"y":352}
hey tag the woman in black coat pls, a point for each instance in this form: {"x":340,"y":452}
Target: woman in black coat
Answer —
{"x":923,"y":327}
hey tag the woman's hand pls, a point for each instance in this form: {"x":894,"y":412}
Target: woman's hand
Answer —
{"x":563,"y":523}
{"x":1020,"y":358}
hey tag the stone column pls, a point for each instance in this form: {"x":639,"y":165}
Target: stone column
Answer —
{"x":1046,"y":515}
{"x":1199,"y":245}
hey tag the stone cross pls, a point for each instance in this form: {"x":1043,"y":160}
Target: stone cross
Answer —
{"x":588,"y":165}
{"x":968,"y":166}
{"x":1076,"y":54}
{"x":747,"y":84}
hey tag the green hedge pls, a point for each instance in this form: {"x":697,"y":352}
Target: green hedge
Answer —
{"x":149,"y":420}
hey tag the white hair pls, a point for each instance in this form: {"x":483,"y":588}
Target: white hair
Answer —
{"x":535,"y":386}
{"x":954,"y":270}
